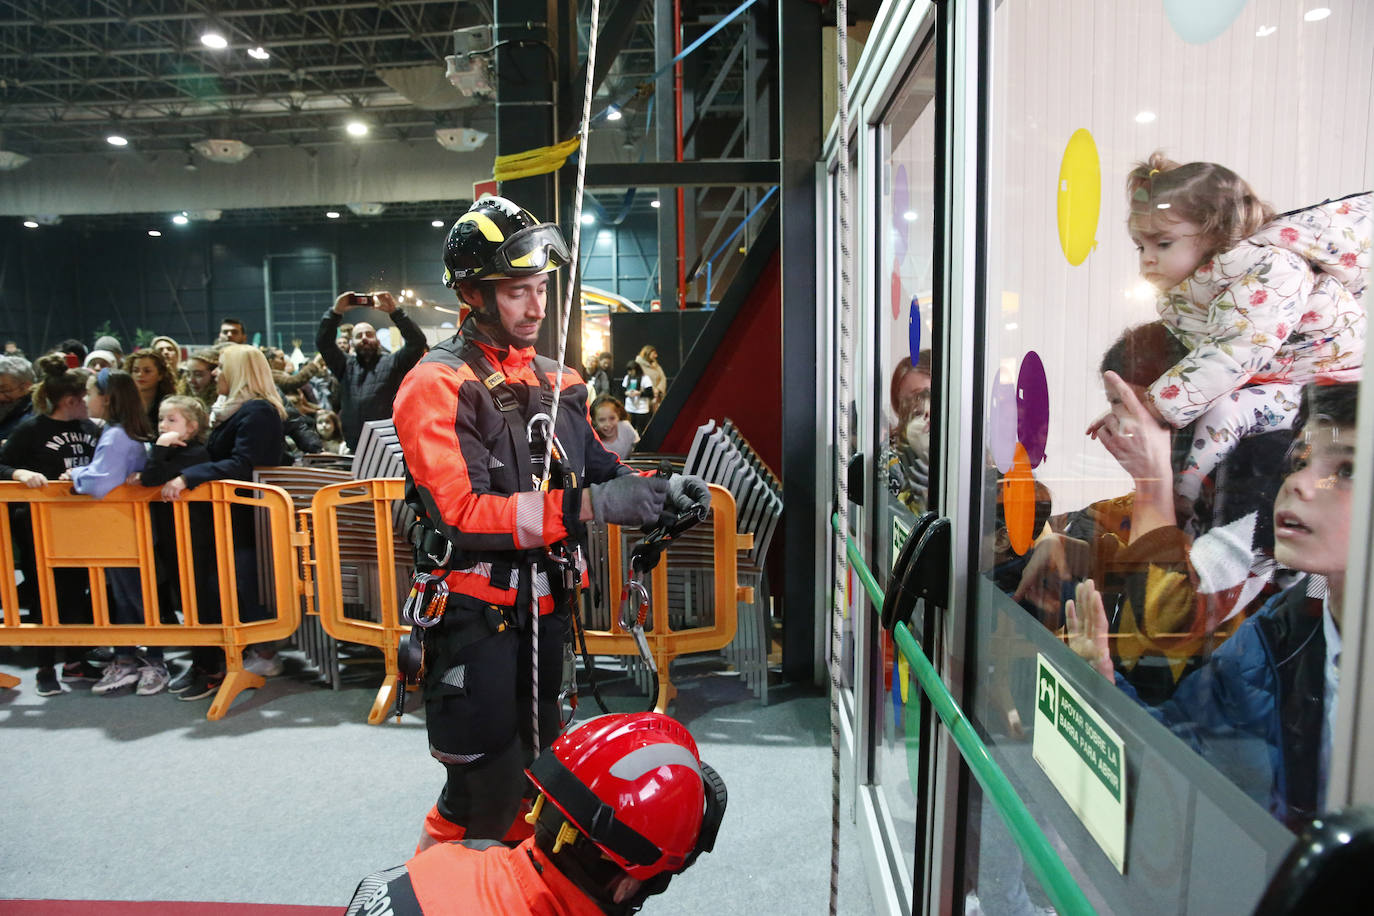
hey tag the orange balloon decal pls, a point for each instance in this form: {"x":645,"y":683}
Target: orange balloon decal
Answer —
{"x":1018,"y":502}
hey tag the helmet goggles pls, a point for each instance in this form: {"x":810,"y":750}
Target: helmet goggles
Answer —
{"x":534,"y":250}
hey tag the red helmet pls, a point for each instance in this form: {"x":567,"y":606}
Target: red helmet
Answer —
{"x":634,"y":785}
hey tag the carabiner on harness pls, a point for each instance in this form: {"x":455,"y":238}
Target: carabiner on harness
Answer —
{"x":634,"y":613}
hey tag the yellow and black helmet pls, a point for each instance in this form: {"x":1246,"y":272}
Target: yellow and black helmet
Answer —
{"x":497,"y":239}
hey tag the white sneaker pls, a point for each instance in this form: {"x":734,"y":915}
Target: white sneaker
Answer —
{"x":266,"y":666}
{"x":117,"y":674}
{"x":152,"y":678}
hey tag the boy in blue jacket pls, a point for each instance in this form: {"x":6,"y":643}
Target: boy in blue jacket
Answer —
{"x":1262,"y":709}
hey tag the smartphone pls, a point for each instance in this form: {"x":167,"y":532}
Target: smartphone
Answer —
{"x":73,"y":361}
{"x":362,"y":299}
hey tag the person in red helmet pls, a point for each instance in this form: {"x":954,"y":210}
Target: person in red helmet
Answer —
{"x":624,"y":803}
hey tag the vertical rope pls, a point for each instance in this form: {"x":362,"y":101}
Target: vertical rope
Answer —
{"x":563,"y":320}
{"x":842,"y":453}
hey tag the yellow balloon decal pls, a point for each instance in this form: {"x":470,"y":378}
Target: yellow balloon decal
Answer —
{"x":1080,"y":197}
{"x":904,"y":677}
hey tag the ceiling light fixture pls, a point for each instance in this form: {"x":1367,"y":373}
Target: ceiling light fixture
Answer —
{"x":30,"y":224}
{"x":214,"y":41}
{"x":117,"y":140}
{"x":909,"y":216}
{"x":181,"y":219}
{"x":1145,"y":117}
{"x":1316,"y":15}
{"x":153,"y":233}
{"x":613,"y":113}
{"x":332,"y":214}
{"x":356,"y":129}
{"x":258,"y":53}
{"x":10,"y":160}
{"x":588,"y":219}
{"x":1265,"y":31}
{"x":655,"y":203}
{"x":437,"y":223}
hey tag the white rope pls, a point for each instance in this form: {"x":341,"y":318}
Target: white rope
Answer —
{"x":564,"y":318}
{"x":842,"y":453}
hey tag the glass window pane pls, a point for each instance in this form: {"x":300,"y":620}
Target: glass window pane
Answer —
{"x":1177,"y":246}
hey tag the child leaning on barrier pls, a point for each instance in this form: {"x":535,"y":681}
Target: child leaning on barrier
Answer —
{"x":182,"y":424}
{"x":112,"y":396}
{"x":56,"y":437}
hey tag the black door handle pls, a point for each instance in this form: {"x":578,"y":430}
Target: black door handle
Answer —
{"x":1328,"y":869}
{"x":921,"y":571}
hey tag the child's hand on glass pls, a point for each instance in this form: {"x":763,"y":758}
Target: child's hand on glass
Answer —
{"x":1086,"y":628}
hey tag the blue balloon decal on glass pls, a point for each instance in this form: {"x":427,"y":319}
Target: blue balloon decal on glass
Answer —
{"x":1033,"y":407}
{"x":1199,"y":21}
{"x":913,"y":331}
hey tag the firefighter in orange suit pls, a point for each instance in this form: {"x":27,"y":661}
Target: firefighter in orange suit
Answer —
{"x":624,"y":804}
{"x":475,"y":418}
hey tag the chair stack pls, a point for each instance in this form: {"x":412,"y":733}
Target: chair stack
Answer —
{"x":378,"y":455}
{"x":719,"y":455}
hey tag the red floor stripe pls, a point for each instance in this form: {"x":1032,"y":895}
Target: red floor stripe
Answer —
{"x":156,"y":908}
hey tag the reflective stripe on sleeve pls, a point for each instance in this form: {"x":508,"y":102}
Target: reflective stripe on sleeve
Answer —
{"x":529,"y":518}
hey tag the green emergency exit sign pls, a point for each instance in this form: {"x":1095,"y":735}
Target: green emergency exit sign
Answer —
{"x":1084,"y":758}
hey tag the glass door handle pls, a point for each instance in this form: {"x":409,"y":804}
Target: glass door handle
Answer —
{"x":921,"y":571}
{"x":1327,"y":870}
{"x":854,"y":478}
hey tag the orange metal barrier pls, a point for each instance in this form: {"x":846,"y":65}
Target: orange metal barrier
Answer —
{"x":73,"y":531}
{"x":664,"y":642}
{"x":386,"y":631}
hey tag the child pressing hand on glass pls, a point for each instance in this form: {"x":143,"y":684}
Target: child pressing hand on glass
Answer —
{"x":112,"y":396}
{"x":1262,"y":708}
{"x":1263,"y":303}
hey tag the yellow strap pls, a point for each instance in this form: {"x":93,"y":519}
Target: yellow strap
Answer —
{"x":534,"y":162}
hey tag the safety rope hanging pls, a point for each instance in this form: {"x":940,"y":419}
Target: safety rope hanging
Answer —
{"x":566,"y":306}
{"x":842,"y":453}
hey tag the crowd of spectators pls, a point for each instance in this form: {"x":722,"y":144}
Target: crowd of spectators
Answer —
{"x":175,"y":417}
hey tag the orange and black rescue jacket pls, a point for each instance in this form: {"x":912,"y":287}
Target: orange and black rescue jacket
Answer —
{"x":465,"y":460}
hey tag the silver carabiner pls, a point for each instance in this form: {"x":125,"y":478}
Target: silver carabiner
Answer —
{"x":629,"y":609}
{"x":440,"y":587}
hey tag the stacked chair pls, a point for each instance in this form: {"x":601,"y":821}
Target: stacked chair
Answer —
{"x":378,"y":455}
{"x":719,"y":455}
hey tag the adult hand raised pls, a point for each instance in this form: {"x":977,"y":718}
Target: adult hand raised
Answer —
{"x":384,"y":302}
{"x":1132,"y":434}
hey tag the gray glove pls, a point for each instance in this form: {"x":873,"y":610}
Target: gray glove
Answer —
{"x":630,"y":500}
{"x":686,"y":491}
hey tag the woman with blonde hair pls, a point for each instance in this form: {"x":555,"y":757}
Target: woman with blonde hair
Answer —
{"x":247,"y":433}
{"x":653,"y":373}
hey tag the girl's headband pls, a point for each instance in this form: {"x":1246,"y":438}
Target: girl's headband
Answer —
{"x":102,"y":379}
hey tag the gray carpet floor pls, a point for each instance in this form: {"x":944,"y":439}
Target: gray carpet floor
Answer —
{"x":293,"y":797}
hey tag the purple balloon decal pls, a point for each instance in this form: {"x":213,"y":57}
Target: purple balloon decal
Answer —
{"x":913,"y":331}
{"x":1002,"y":423}
{"x":1033,"y":407}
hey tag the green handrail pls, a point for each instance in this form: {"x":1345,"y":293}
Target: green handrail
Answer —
{"x":1049,"y":869}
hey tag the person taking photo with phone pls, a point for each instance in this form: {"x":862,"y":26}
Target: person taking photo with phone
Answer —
{"x":369,"y":375}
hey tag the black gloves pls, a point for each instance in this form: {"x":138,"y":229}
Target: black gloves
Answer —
{"x":686,"y":491}
{"x":630,"y":500}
